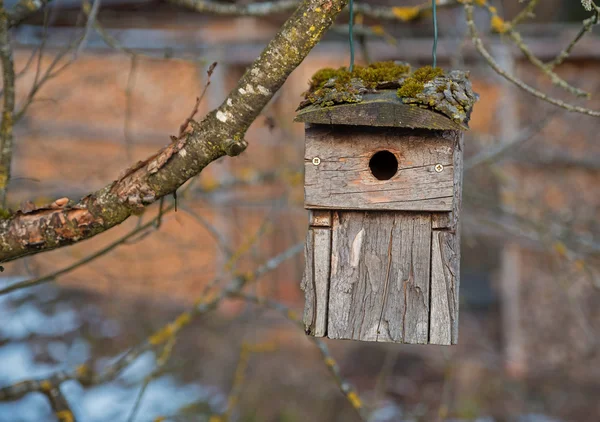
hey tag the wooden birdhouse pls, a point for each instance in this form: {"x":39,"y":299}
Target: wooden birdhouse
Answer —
{"x":383,"y":186}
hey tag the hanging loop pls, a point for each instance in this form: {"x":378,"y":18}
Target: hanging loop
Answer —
{"x":435,"y":32}
{"x":351,"y":33}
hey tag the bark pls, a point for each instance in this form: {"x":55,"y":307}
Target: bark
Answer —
{"x":220,"y":133}
{"x":8,"y":85}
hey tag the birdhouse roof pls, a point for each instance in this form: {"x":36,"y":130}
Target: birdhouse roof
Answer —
{"x":384,"y":109}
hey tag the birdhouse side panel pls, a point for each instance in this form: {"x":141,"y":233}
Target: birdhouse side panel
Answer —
{"x":445,"y":259}
{"x":445,"y":264}
{"x":341,"y":170}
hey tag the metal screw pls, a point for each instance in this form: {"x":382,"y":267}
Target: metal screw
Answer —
{"x":439,"y":168}
{"x":316,"y":161}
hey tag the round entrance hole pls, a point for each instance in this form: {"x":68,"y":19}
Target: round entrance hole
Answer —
{"x":383,"y":165}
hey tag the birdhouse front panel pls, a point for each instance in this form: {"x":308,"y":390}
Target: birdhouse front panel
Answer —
{"x":374,"y":168}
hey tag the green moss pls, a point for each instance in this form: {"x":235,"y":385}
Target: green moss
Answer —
{"x":370,"y":75}
{"x":410,"y":88}
{"x":415,"y":84}
{"x":427,"y":73}
{"x":322,"y":76}
{"x":380,"y":72}
{"x":5,"y":214}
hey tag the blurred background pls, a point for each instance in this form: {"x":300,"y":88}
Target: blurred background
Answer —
{"x":530,"y":285}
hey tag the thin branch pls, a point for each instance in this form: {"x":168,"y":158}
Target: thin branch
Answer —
{"x":344,"y":386}
{"x":556,"y":80}
{"x":588,"y":24}
{"x":129,"y":107}
{"x":89,"y":25}
{"x":87,"y":376}
{"x":240,"y":374}
{"x":525,"y":13}
{"x":496,"y":67}
{"x":491,"y":154}
{"x":500,"y":26}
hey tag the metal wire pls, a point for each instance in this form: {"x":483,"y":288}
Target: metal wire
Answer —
{"x":351,"y":33}
{"x":435,"y":31}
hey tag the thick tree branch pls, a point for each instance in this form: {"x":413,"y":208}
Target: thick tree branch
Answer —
{"x":8,"y":83}
{"x":220,"y":133}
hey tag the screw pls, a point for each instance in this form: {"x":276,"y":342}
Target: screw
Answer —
{"x":439,"y":168}
{"x":316,"y":161}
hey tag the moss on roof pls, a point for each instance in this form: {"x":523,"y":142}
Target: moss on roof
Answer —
{"x":428,"y":87}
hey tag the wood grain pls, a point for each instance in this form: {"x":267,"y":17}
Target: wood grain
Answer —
{"x":443,"y":327}
{"x":445,"y":259}
{"x":379,"y":289}
{"x":343,"y":179}
{"x":383,"y":108}
{"x":315,"y":283}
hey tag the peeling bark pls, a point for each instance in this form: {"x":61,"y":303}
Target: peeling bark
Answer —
{"x":220,"y":133}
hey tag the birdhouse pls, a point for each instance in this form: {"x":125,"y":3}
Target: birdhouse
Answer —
{"x":383,"y":186}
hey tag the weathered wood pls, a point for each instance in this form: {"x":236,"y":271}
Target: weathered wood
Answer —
{"x":445,"y":258}
{"x":320,"y":218}
{"x":441,"y":220}
{"x":342,"y":179}
{"x":315,"y":283}
{"x":383,"y":108}
{"x":445,"y":262}
{"x":380,"y":265}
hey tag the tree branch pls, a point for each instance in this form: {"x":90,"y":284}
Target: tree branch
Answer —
{"x":220,"y":133}
{"x":513,"y":79}
{"x":8,"y":80}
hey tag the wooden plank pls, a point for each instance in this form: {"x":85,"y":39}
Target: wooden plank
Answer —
{"x":308,"y":285}
{"x":383,"y":108}
{"x":445,"y":259}
{"x":343,"y":180}
{"x":320,"y":218}
{"x":379,"y":289}
{"x":316,"y":280}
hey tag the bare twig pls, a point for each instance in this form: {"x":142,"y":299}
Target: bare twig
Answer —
{"x":496,"y":67}
{"x":89,"y":25}
{"x":344,"y":386}
{"x":525,"y":13}
{"x":240,"y":374}
{"x":129,"y":107}
{"x":588,"y":24}
{"x":491,"y":154}
{"x":86,"y":376}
